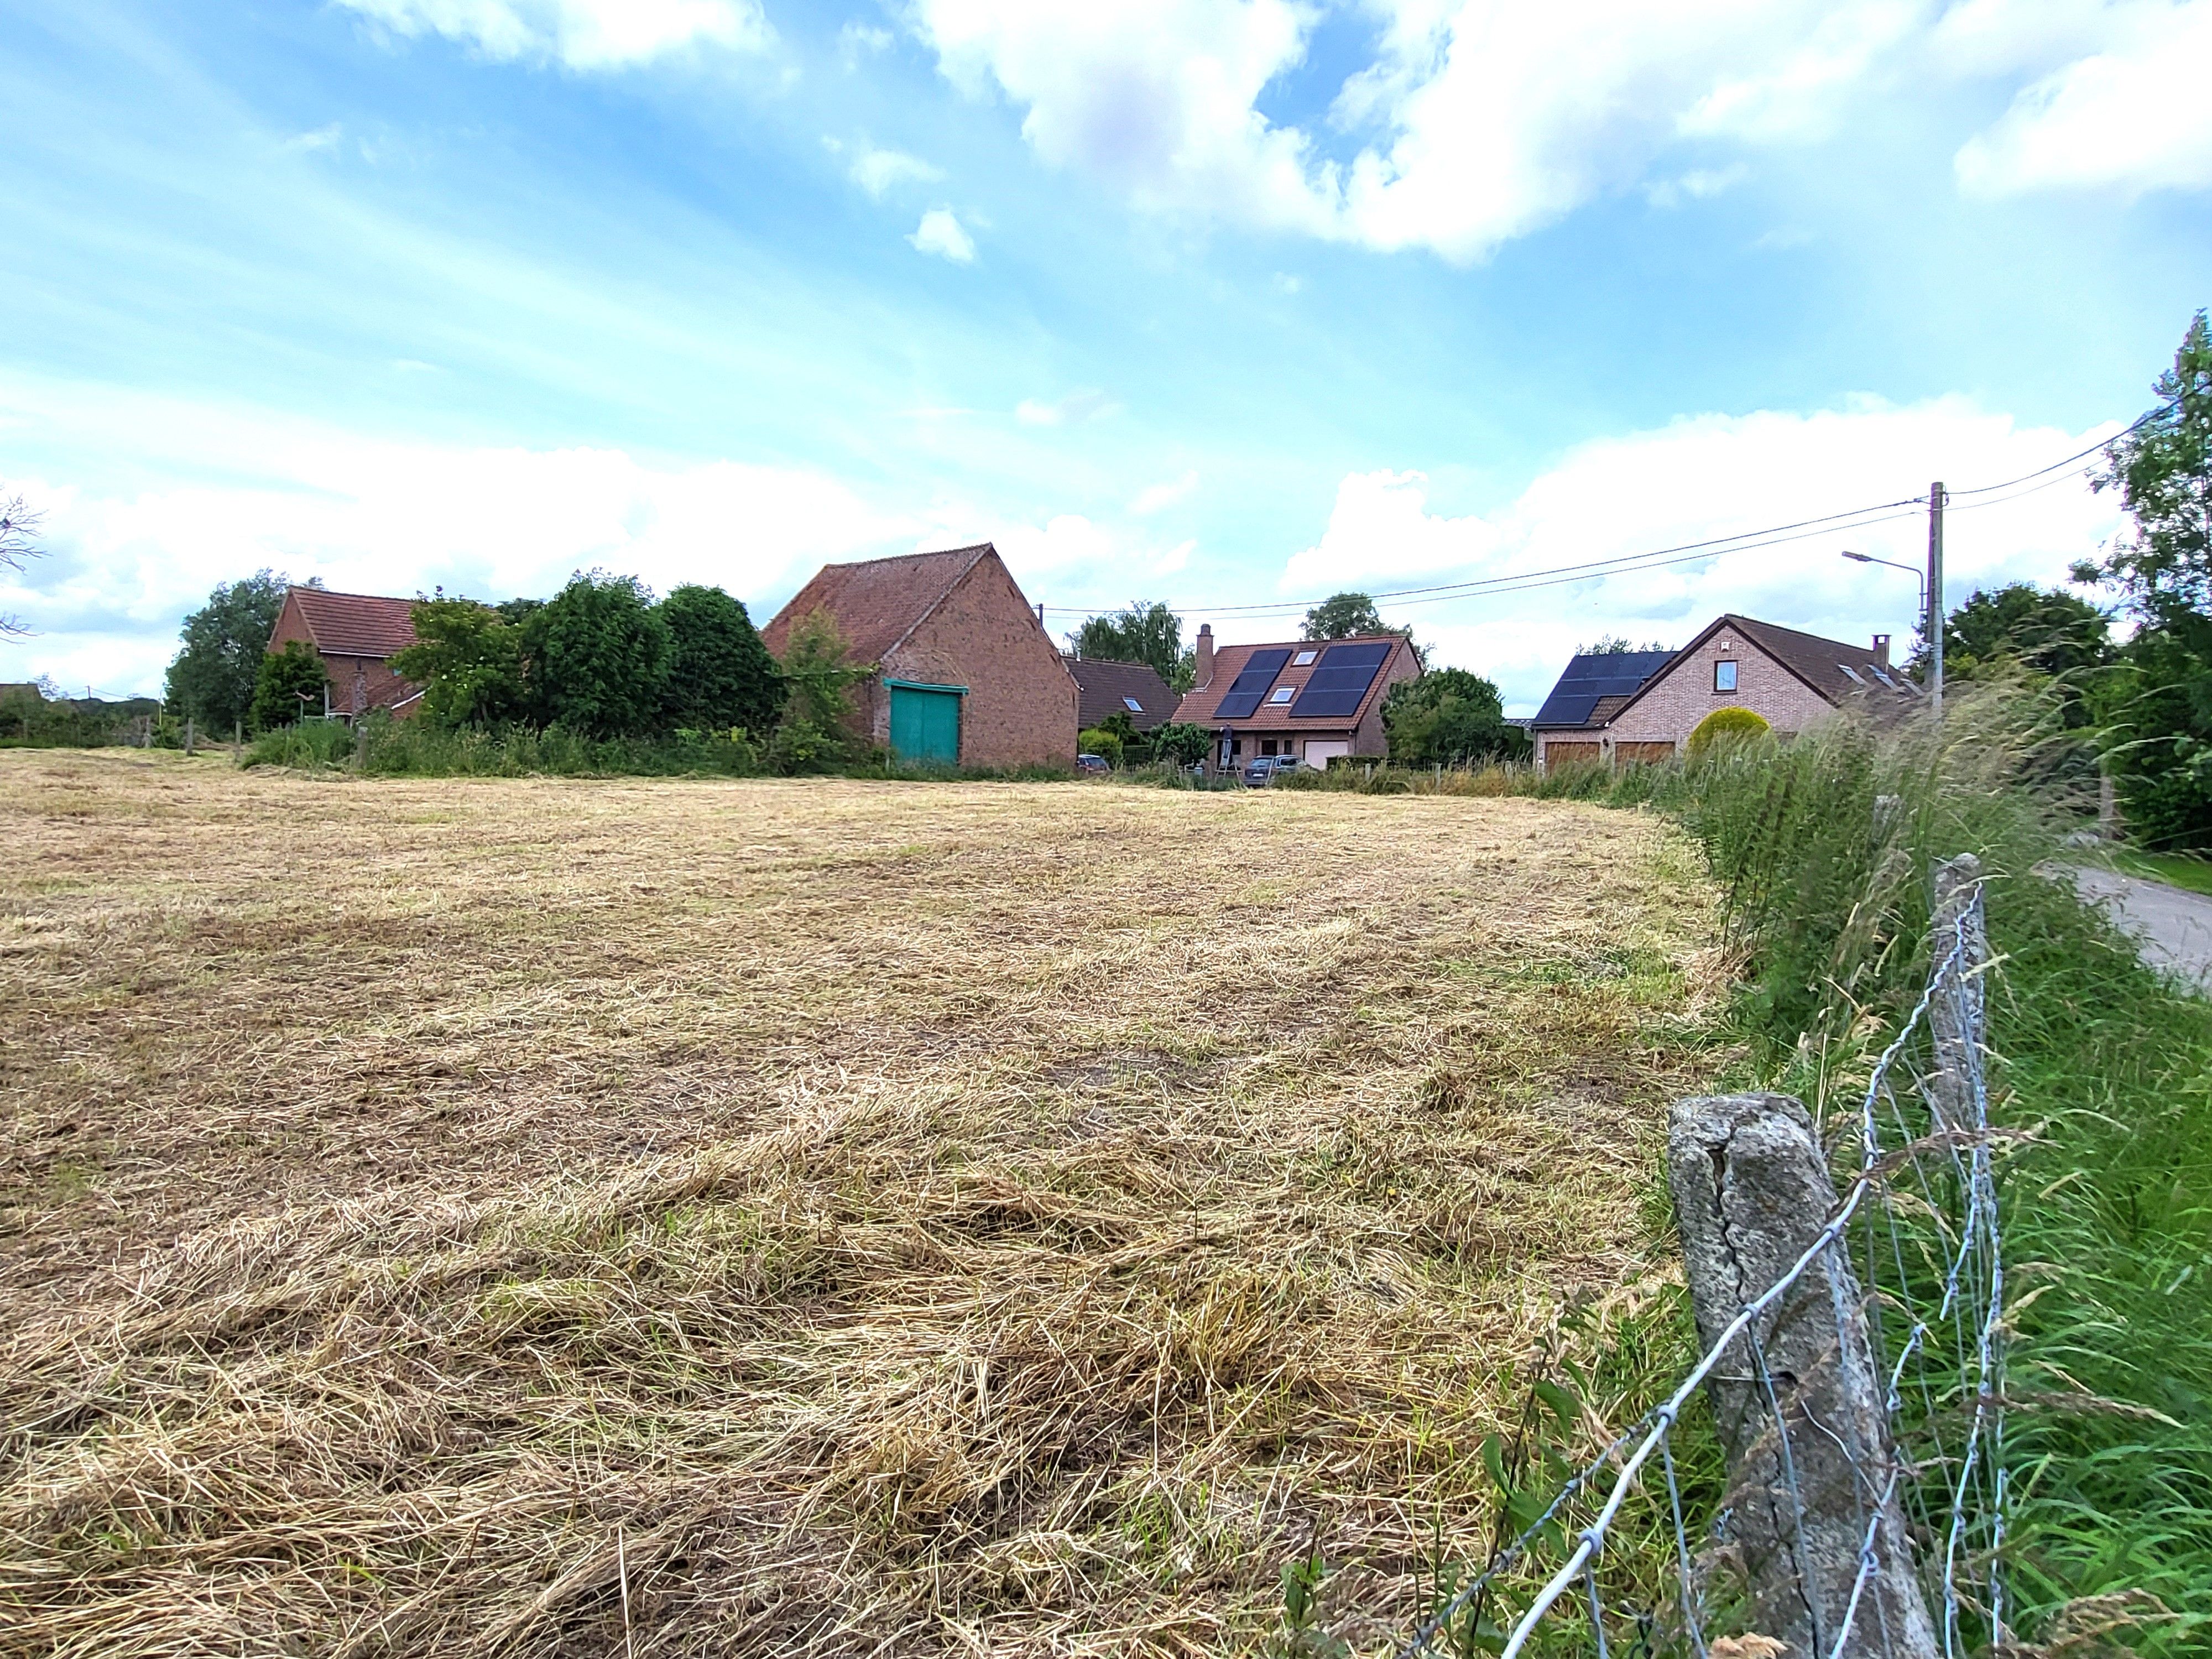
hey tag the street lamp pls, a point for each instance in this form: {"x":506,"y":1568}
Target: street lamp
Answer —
{"x":1914,"y":572}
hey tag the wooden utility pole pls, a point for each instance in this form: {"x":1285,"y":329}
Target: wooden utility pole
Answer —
{"x":1936,"y":499}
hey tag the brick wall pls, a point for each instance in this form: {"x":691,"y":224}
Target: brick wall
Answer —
{"x":1672,"y":705}
{"x":380,"y":687}
{"x":1021,"y":701}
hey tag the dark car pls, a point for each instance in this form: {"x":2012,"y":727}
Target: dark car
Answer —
{"x":1258,"y":773}
{"x":1091,"y":763}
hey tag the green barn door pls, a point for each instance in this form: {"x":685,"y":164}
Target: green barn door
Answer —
{"x":925,"y":724}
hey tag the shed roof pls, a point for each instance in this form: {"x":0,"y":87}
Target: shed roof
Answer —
{"x":1109,"y":687}
{"x":877,"y":602}
{"x":1597,"y":684}
{"x":354,"y":624}
{"x":1198,"y":704}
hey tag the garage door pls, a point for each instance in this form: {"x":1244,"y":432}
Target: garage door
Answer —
{"x":1570,"y":754}
{"x":1642,"y":754}
{"x":1321,"y":751}
{"x":925,"y":724}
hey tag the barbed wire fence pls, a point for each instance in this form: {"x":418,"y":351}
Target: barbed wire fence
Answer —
{"x":1852,"y":1362}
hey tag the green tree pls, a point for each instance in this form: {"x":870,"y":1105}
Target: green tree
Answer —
{"x":2163,"y":471}
{"x":1143,"y":631}
{"x":289,"y":684}
{"x":467,"y":658}
{"x":816,"y":732}
{"x":597,"y":656}
{"x":1449,"y":717}
{"x":1097,"y":740}
{"x":2156,"y":706}
{"x":721,"y":675}
{"x":1343,"y":614}
{"x":1184,"y":742}
{"x":1725,"y":726}
{"x":212,"y":680}
{"x":2052,"y":636}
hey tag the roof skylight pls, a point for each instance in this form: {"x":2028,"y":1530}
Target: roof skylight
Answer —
{"x":1304,"y":659}
{"x":1282,"y":694}
{"x":1132,"y":705}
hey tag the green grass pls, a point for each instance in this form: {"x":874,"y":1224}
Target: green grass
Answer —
{"x":2176,"y":869}
{"x":1823,"y":848}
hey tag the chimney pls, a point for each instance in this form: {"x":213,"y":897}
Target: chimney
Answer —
{"x":1881,"y":649}
{"x":1204,"y":652}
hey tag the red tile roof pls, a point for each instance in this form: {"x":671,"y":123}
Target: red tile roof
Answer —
{"x":1199,"y":703}
{"x":356,"y":625}
{"x":876,"y":603}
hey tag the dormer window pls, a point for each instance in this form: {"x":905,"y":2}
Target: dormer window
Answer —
{"x":1725,"y":675}
{"x":1282,"y":694}
{"x":1304,"y":659}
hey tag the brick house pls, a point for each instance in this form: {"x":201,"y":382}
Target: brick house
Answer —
{"x":1790,"y":679}
{"x":356,"y":635}
{"x":1314,"y":699}
{"x":961,"y":669}
{"x":1110,"y":688}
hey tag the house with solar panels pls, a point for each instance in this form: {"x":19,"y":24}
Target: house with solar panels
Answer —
{"x":1631,"y":706}
{"x":1311,"y":699}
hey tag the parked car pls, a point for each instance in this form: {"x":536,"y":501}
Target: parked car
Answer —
{"x":1088,"y":764}
{"x":1259,"y":773}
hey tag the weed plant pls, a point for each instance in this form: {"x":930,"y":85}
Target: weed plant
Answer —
{"x":1823,"y":849}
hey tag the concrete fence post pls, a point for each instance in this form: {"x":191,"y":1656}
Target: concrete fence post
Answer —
{"x":1954,"y":1011}
{"x":1805,"y":1431}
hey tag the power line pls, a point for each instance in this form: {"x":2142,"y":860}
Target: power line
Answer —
{"x":1622,"y":564}
{"x":2102,"y":443}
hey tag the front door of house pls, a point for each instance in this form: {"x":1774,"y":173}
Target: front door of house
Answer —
{"x":925,"y":725}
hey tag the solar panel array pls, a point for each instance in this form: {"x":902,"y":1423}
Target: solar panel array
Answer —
{"x":1244,"y":693}
{"x":1340,"y":680}
{"x":1598,"y":674}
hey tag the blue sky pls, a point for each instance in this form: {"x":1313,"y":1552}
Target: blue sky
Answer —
{"x":1228,"y":302}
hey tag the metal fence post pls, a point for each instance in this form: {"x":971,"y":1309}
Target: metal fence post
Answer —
{"x":1799,"y":1399}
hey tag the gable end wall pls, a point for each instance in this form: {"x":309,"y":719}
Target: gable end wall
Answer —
{"x":1673,"y":703}
{"x":1021,"y":701}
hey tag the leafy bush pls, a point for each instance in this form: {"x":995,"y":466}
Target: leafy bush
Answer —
{"x":468,"y":659}
{"x":600,"y":655}
{"x":1449,"y":717}
{"x":719,"y":674}
{"x":304,"y":743}
{"x":292,"y":685}
{"x":1097,"y":740}
{"x":1181,"y":742}
{"x":1724,"y":727}
{"x":815,"y":734}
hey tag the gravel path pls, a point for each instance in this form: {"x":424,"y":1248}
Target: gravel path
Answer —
{"x":2174,"y":926}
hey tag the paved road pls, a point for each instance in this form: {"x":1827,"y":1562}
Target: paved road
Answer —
{"x":2175,"y":927}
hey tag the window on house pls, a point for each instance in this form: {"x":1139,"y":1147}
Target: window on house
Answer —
{"x":1724,"y":676}
{"x":1852,"y":672}
{"x":1885,"y":679}
{"x":1266,"y":745}
{"x":1304,"y":659}
{"x":1132,"y":705}
{"x":1282,"y":694}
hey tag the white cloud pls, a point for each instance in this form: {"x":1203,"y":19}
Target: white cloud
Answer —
{"x":582,"y":34}
{"x":856,"y":38}
{"x":1073,"y":560}
{"x":1477,"y":121}
{"x":1491,"y":118}
{"x":1695,"y":186}
{"x":940,"y":234}
{"x":1160,"y":496}
{"x":1076,"y":407}
{"x":321,"y":138}
{"x":2133,"y":114}
{"x":370,"y":514}
{"x":876,"y":171}
{"x":1694,"y":480}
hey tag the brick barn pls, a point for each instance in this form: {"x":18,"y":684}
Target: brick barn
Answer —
{"x":961,"y":670}
{"x":1630,"y":707}
{"x":1313,"y":699}
{"x":356,"y":635}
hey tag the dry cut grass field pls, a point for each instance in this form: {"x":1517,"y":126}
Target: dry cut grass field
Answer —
{"x":794,"y":1217}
